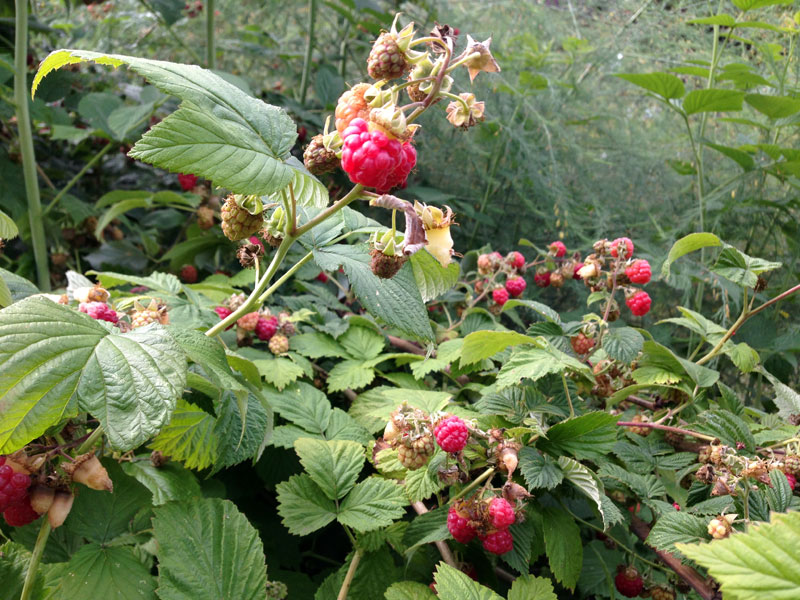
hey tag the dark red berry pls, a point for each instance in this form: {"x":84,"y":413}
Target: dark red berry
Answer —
{"x":639,"y":303}
{"x":189,"y":274}
{"x":187,"y":181}
{"x":459,"y":527}
{"x":626,"y":243}
{"x":266,"y":327}
{"x":542,"y":279}
{"x":499,"y":542}
{"x":373,"y":159}
{"x":500,"y":296}
{"x":20,"y":514}
{"x":516,"y":286}
{"x":629,"y":582}
{"x":501,"y":513}
{"x":639,"y":272}
{"x":451,"y":434}
{"x":557,"y":249}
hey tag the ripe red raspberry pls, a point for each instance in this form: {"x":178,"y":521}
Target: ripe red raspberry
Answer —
{"x":189,"y":274}
{"x":515,"y":259}
{"x":322,"y":277}
{"x":791,"y":479}
{"x":581,"y":343}
{"x":499,"y":542}
{"x":628,"y":247}
{"x":542,"y":279}
{"x":639,"y":272}
{"x":500,"y":296}
{"x":557,"y":249}
{"x":20,"y":514}
{"x":676,"y":506}
{"x":501,"y":513}
{"x":451,"y":434}
{"x":187,"y":181}
{"x":515,"y":286}
{"x":639,"y":303}
{"x":99,"y":311}
{"x":372,"y":159}
{"x":575,"y":269}
{"x":223,"y":311}
{"x":459,"y":527}
{"x":13,"y":486}
{"x":266,"y":328}
{"x":629,"y":582}
{"x":249,"y":321}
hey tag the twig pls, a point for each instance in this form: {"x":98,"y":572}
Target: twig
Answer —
{"x":444,"y":549}
{"x":348,"y":579}
{"x":699,"y":436}
{"x":406,"y":345}
{"x":685,"y":572}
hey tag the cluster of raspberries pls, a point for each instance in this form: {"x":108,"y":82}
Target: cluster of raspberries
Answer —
{"x":488,"y":520}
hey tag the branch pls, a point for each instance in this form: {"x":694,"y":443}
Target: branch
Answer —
{"x":685,"y":572}
{"x":699,"y":436}
{"x":444,"y":549}
{"x":406,"y":345}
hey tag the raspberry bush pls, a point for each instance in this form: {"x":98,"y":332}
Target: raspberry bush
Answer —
{"x":397,"y":415}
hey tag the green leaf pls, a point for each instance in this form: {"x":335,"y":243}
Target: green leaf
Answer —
{"x":189,"y":437}
{"x":396,"y":301}
{"x":687,"y":244}
{"x":8,"y":229}
{"x":485,"y":344}
{"x":362,"y":343}
{"x":18,"y":286}
{"x":278,"y":371}
{"x":535,"y":363}
{"x":712,"y":100}
{"x":57,"y":361}
{"x":786,"y":399}
{"x":591,"y":436}
{"x":743,"y":159}
{"x":243,"y":429}
{"x":5,"y":294}
{"x":317,"y":345}
{"x":746,"y":5}
{"x":218,"y":132}
{"x":207,"y":549}
{"x":762,"y":563}
{"x":677,"y":527}
{"x":432,"y":279}
{"x":351,"y":374}
{"x":372,"y":504}
{"x":14,"y":561}
{"x":779,"y":494}
{"x":304,"y":405}
{"x":528,"y":587}
{"x":743,"y":356}
{"x":723,"y":19}
{"x":540,"y":309}
{"x":421,"y":484}
{"x":409,"y":590}
{"x":209,"y":353}
{"x":333,"y":465}
{"x":665,"y":85}
{"x":623,"y":343}
{"x":167,"y":482}
{"x":452,"y":584}
{"x":100,"y":516}
{"x":427,"y":528}
{"x":539,"y":470}
{"x":114,"y":572}
{"x":562,"y":538}
{"x":303,"y":506}
{"x":586,"y":481}
{"x":307,"y":190}
{"x":726,"y":426}
{"x":740,"y":268}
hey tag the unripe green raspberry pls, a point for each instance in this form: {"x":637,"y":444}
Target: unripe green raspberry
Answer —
{"x":237,"y":223}
{"x":386,"y":60}
{"x":279,"y":344}
{"x":318,"y":159}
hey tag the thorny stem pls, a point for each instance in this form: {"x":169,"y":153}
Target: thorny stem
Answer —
{"x":475,"y":483}
{"x":334,"y":208}
{"x":700,"y":436}
{"x":293,"y":221}
{"x":285,"y":277}
{"x":211,"y":46}
{"x":36,"y":556}
{"x":348,"y":578}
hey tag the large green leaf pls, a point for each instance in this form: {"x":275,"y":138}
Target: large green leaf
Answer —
{"x":432,"y":279}
{"x":665,"y":85}
{"x":8,"y":229}
{"x":207,"y":549}
{"x":623,"y":343}
{"x":101,"y":516}
{"x":57,"y":361}
{"x":372,"y":504}
{"x":591,"y":436}
{"x":485,"y":344}
{"x":333,"y":465}
{"x":687,"y":244}
{"x":218,"y":132}
{"x":452,"y":584}
{"x":677,"y":527}
{"x":14,"y":561}
{"x":397,"y":300}
{"x":762,"y":563}
{"x":303,"y":506}
{"x":189,"y":437}
{"x":712,"y":100}
{"x":529,"y":587}
{"x":562,"y":538}
{"x":741,"y":268}
{"x":115,"y":573}
{"x":539,"y":470}
{"x":535,"y":363}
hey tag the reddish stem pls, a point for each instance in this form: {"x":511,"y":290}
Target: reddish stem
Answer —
{"x":700,"y":436}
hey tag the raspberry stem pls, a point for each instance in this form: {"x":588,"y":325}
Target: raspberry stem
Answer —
{"x":36,"y":556}
{"x":487,"y":474}
{"x":348,"y":578}
{"x":700,"y":436}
